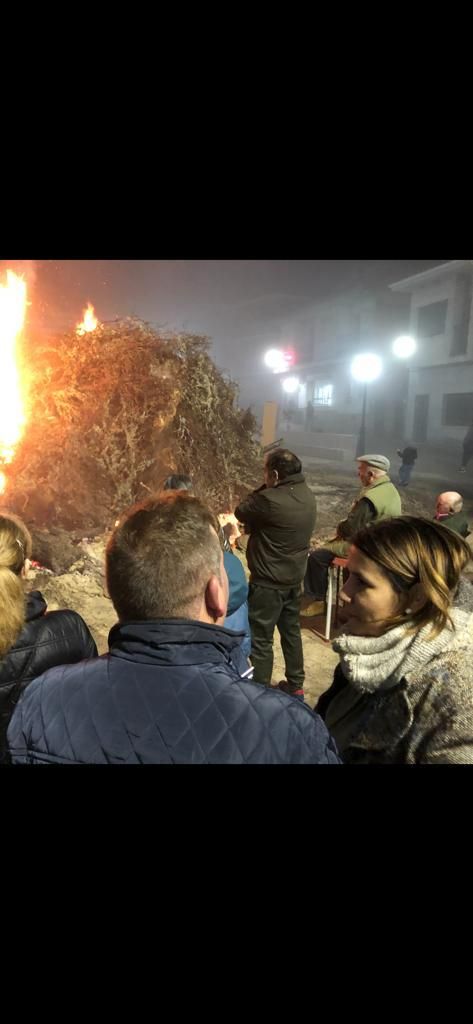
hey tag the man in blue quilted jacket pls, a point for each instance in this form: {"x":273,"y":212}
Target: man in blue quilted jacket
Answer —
{"x":174,"y":687}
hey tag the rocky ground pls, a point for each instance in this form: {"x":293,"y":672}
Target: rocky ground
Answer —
{"x":76,"y":567}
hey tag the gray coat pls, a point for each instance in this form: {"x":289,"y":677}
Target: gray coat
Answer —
{"x":423,"y":717}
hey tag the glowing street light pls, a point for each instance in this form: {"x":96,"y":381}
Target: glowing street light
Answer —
{"x":404,"y":347}
{"x":278,"y":360}
{"x":366,"y":368}
{"x":272,"y":358}
{"x":291,"y":385}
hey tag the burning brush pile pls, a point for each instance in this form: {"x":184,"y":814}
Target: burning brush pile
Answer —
{"x":95,"y":419}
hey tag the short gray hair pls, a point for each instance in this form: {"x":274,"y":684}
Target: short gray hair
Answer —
{"x":161,"y":557}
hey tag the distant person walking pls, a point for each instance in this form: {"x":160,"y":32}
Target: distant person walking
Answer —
{"x":408,"y":457}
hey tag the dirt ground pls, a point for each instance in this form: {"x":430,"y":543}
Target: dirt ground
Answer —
{"x":83,"y":586}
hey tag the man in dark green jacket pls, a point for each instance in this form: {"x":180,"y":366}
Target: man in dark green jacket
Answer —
{"x":280,"y":518}
{"x":449,"y":512}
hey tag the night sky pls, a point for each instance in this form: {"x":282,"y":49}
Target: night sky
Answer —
{"x":233,"y":301}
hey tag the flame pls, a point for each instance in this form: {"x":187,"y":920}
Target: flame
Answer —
{"x":13,"y":301}
{"x":89,"y":323}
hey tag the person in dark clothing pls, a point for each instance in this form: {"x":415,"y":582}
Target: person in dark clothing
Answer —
{"x":31,"y":639}
{"x":408,"y":457}
{"x":467,"y":449}
{"x":280,"y":517}
{"x":174,"y":687}
{"x":378,"y":500}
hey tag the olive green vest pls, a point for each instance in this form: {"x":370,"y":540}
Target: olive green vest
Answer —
{"x":387,"y":502}
{"x":385,"y":498}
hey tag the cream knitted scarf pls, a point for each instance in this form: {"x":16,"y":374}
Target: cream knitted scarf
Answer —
{"x":379,"y":663}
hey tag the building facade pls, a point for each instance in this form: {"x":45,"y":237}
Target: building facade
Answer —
{"x":440,"y":385}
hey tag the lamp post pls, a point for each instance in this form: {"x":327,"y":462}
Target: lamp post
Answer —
{"x":403,"y":349}
{"x":290,"y":386}
{"x":365,"y":368}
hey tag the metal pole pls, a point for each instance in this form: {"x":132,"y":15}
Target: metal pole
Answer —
{"x":361,"y":449}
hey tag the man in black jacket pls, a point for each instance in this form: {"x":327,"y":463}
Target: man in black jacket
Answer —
{"x":280,"y":517}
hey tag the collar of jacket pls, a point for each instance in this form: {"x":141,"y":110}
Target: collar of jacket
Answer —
{"x":173,"y":641}
{"x":297,"y":478}
{"x":377,"y":483}
{"x":35,"y":606}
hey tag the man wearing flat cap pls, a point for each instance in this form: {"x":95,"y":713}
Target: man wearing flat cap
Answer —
{"x":377,"y":500}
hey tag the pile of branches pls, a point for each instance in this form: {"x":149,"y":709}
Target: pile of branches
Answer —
{"x":111,"y":414}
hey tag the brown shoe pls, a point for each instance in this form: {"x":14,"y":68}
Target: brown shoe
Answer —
{"x":316,"y":608}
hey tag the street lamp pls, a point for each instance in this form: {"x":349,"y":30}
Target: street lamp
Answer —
{"x":404,"y":347}
{"x":279,"y":360}
{"x":291,"y":385}
{"x":365,"y":368}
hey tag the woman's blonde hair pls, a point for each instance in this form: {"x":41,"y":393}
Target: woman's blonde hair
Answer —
{"x":15,"y":548}
{"x":414,"y":551}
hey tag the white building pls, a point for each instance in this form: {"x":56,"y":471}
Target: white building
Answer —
{"x":440,"y":386}
{"x":326,"y":336}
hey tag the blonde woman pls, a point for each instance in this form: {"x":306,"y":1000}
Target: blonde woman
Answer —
{"x":31,"y":640}
{"x":403,"y":692}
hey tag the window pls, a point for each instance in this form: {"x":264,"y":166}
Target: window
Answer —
{"x":457,"y":410}
{"x":462,"y":328}
{"x":460,"y":339}
{"x":432,"y":320}
{"x":323,"y":395}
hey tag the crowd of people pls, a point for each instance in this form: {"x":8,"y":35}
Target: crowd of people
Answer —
{"x":188,"y":678}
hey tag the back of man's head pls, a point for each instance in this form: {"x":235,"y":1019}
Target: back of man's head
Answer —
{"x":284,"y":463}
{"x":449,"y":503}
{"x":163,"y":559}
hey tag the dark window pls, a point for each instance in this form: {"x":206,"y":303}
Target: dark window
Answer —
{"x":457,"y":410}
{"x":323,"y":394}
{"x":460,"y":339}
{"x":462,"y":328}
{"x":432,"y":319}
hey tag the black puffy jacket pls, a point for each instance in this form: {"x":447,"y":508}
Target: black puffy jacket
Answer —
{"x":48,"y":639}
